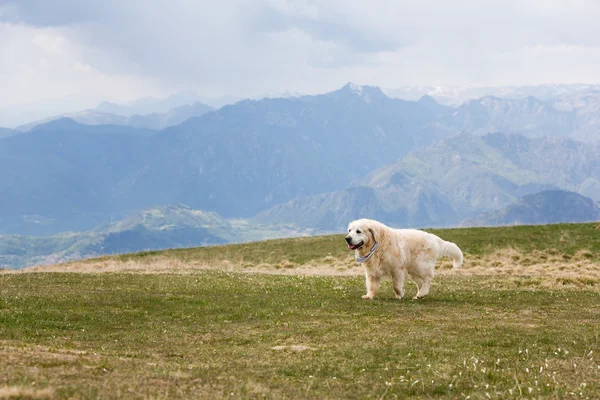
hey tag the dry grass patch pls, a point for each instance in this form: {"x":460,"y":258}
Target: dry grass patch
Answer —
{"x":553,"y":266}
{"x":327,"y":265}
{"x":580,"y":268}
{"x":19,"y":392}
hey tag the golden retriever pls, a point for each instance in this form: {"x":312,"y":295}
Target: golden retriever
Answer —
{"x":383,"y":250}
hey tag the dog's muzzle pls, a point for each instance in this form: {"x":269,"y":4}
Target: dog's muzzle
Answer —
{"x":351,"y":245}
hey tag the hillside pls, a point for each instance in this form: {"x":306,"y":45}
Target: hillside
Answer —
{"x":547,"y":207}
{"x":484,"y":173}
{"x":165,"y":227}
{"x":59,"y":177}
{"x":420,"y":207}
{"x":159,"y":228}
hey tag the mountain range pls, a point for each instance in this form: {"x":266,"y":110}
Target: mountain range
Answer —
{"x":451,"y":180}
{"x":305,"y":162}
{"x":454,"y":96}
{"x":237,"y":161}
{"x":154,"y":121}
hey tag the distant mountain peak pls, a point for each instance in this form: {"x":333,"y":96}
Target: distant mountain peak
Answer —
{"x":365,"y":92}
{"x":353,"y":87}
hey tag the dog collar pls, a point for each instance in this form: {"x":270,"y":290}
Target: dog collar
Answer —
{"x":360,"y":259}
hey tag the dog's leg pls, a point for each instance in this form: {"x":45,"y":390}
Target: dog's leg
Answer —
{"x":398,"y":280}
{"x":424,"y":288}
{"x":419,"y":283}
{"x":373,"y":282}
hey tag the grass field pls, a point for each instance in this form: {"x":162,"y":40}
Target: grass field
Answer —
{"x":521,"y":320}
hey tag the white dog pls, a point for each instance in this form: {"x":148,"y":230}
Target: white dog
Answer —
{"x":384,"y":250}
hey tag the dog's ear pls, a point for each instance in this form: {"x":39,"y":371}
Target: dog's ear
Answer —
{"x":373,"y":234}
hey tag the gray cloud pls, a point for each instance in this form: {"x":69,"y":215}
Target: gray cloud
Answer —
{"x":329,"y":28}
{"x":245,"y":47}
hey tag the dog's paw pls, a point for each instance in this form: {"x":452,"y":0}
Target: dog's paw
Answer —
{"x":418,"y":297}
{"x":399,"y":297}
{"x":367,"y":297}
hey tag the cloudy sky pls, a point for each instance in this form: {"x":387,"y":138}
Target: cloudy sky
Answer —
{"x":74,"y":50}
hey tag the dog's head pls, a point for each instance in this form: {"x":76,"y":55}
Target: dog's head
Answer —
{"x":360,"y":233}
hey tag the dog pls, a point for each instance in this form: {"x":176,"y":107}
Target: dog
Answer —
{"x":383,"y":250}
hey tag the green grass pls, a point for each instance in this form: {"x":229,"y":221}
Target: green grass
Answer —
{"x":211,"y":334}
{"x":564,"y":238}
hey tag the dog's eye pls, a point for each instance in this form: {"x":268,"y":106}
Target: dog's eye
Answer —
{"x":358,"y":232}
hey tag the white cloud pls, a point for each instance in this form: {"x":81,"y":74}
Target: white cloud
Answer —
{"x":50,"y":42}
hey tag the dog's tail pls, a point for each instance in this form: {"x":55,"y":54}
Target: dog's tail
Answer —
{"x":451,"y":250}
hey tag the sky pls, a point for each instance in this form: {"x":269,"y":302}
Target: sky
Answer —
{"x":73,"y":53}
